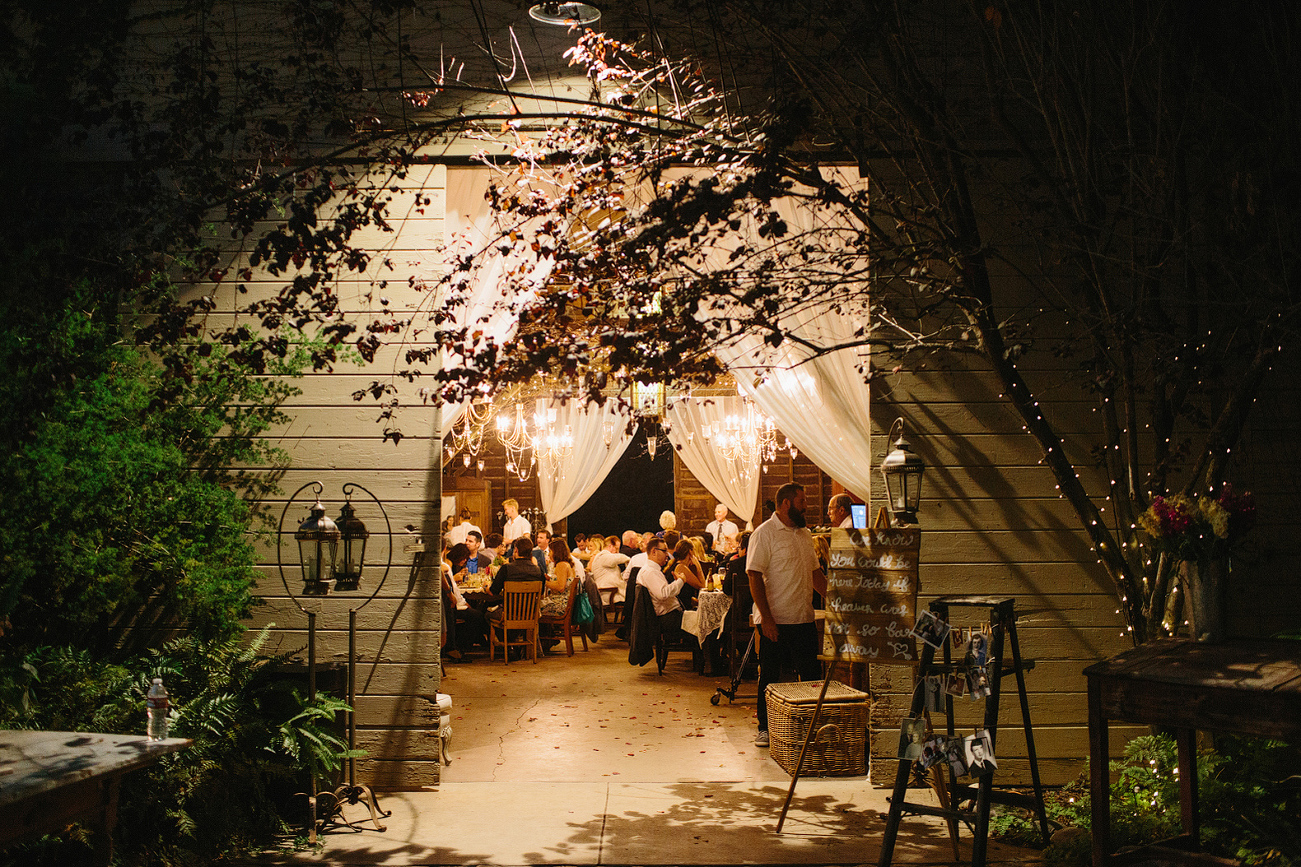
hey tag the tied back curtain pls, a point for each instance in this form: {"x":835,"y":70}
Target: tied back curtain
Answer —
{"x":731,"y":485}
{"x":566,"y":483}
{"x":488,"y":297}
{"x":821,"y":403}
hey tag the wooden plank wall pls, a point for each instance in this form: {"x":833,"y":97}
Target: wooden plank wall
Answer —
{"x":334,"y":439}
{"x":993,"y":524}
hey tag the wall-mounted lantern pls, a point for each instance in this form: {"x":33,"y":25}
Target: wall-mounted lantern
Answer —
{"x":902,"y":471}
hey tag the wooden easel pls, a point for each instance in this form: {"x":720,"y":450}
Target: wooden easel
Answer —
{"x":1002,"y":621}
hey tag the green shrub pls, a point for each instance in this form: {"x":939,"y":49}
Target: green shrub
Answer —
{"x":1249,"y":796}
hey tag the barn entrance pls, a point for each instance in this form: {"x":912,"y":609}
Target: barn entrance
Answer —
{"x":632,"y":497}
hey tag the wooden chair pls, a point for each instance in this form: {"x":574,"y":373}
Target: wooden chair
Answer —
{"x":613,"y":615}
{"x":519,"y":613}
{"x":564,"y":623}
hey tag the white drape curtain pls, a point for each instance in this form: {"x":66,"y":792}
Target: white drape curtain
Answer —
{"x":491,"y":300}
{"x":821,"y":403}
{"x":728,"y":482}
{"x":566,"y":484}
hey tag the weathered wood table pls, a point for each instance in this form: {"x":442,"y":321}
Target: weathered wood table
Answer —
{"x":1239,"y":687}
{"x":51,"y":779}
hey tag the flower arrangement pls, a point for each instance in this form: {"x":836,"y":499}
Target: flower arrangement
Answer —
{"x":1193,"y":528}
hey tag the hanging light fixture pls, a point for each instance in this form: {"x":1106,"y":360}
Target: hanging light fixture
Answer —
{"x":513,"y":434}
{"x":565,"y":14}
{"x":353,"y":534}
{"x":745,"y":440}
{"x":318,"y":545}
{"x":902,"y":471}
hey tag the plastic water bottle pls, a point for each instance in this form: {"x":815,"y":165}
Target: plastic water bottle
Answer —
{"x":156,"y":706}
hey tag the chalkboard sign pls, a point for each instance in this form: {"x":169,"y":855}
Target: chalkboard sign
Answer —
{"x":871,"y":603}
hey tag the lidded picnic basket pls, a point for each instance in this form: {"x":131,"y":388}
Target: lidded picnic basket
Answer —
{"x":840,"y":747}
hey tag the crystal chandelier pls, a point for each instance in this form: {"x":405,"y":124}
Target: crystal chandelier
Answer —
{"x":513,"y":434}
{"x":746,"y":440}
{"x":467,"y":436}
{"x":530,"y":439}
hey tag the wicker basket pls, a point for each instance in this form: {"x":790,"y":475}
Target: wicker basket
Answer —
{"x":840,"y":749}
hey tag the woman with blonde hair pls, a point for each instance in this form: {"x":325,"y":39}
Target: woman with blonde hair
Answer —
{"x":668,"y":521}
{"x":701,"y":551}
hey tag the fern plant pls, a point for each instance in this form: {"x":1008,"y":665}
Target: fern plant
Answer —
{"x":255,"y":742}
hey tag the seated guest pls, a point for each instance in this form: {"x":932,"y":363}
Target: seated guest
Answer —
{"x":606,"y":567}
{"x":645,"y":540}
{"x":479,"y":562}
{"x":668,"y":521}
{"x":521,"y":568}
{"x":467,"y":625}
{"x":704,"y":556}
{"x":543,"y":539}
{"x":493,"y":548}
{"x":735,"y":568}
{"x":579,"y":549}
{"x":631,"y":543}
{"x":663,"y":593}
{"x":671,"y":538}
{"x":556,"y":598}
{"x":685,"y":567}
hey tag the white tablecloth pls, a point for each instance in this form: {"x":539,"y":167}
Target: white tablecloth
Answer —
{"x":708,"y":617}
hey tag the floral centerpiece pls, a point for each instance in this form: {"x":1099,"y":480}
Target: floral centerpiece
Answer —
{"x":1199,"y":531}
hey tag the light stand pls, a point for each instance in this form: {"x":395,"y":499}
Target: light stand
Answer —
{"x":318,"y":540}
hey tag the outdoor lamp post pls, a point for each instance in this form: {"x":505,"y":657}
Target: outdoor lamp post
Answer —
{"x":323,"y":571}
{"x":353,"y":534}
{"x":902,"y":471}
{"x":318,"y":545}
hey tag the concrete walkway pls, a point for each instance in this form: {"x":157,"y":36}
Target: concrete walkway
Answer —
{"x":588,"y":760}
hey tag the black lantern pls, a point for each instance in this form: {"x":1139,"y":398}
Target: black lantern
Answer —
{"x":318,"y":544}
{"x":902,"y":471}
{"x":353,"y":534}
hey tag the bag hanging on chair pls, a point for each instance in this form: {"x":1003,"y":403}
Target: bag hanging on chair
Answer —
{"x":583,"y":609}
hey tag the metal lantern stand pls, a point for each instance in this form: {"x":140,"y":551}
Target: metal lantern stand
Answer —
{"x":319,"y":540}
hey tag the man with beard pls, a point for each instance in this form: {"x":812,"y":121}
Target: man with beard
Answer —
{"x":783,"y":572}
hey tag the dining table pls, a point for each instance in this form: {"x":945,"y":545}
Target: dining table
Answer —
{"x":709,"y":616}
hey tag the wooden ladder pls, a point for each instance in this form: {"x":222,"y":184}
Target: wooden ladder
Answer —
{"x":1002,"y":622}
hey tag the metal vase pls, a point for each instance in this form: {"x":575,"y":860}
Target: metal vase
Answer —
{"x":1205,"y":580}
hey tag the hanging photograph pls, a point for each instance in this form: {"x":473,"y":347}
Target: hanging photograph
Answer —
{"x":932,"y":752}
{"x":978,"y":682}
{"x":956,"y":684}
{"x":934,"y":687}
{"x":979,"y":754}
{"x":911,"y":735}
{"x":931,"y":630}
{"x":977,"y":650}
{"x":954,"y":752}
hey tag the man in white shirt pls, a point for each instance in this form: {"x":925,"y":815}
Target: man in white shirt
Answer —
{"x":664,"y":593}
{"x":720,"y":528}
{"x":606,"y":567}
{"x":458,"y":534}
{"x":516,"y":524}
{"x":783,"y":571}
{"x":838,"y":513}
